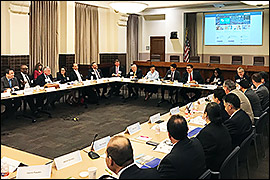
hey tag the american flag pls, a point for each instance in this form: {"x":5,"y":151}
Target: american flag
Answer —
{"x":186,"y":51}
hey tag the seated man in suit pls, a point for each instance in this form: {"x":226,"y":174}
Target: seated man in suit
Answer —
{"x":241,"y":75}
{"x":134,"y":74}
{"x":42,"y":80}
{"x":191,"y":76}
{"x":25,"y":81}
{"x":116,"y":71}
{"x":239,"y":123}
{"x":172,"y":75}
{"x":230,"y":87}
{"x":9,"y":83}
{"x":94,"y":73}
{"x":218,"y":95}
{"x":119,"y":159}
{"x":261,"y":90}
{"x":265,"y":78}
{"x":252,"y":97}
{"x":186,"y":159}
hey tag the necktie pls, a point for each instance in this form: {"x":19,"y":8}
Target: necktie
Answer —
{"x":10,"y":83}
{"x":190,"y":77}
{"x":97,"y":74}
{"x":27,"y":79}
{"x":172,"y":76}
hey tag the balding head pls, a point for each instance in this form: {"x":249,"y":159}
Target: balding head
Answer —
{"x":120,"y":150}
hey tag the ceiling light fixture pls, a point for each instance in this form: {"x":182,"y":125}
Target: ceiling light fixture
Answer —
{"x":128,"y":7}
{"x":256,"y":3}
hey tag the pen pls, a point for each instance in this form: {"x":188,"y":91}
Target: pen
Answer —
{"x":48,"y":162}
{"x":85,"y":151}
{"x":108,"y":171}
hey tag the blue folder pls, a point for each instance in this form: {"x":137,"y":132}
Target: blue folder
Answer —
{"x":151,"y":164}
{"x":194,"y":131}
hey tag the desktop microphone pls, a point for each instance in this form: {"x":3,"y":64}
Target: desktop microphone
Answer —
{"x":92,"y":154}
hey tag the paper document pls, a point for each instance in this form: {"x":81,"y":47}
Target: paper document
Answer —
{"x":198,"y":120}
{"x":13,"y":164}
{"x":162,"y":126}
{"x":165,"y":146}
{"x":146,"y":161}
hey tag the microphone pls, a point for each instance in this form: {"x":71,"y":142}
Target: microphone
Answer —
{"x":92,"y":154}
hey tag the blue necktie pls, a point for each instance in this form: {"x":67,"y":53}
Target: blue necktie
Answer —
{"x":10,"y":83}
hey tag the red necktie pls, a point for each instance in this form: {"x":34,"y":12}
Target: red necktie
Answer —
{"x":190,"y":77}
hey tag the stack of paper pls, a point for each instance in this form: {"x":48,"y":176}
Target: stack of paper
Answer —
{"x":165,"y":146}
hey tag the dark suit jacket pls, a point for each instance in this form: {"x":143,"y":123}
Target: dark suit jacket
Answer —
{"x":5,"y":83}
{"x":220,"y":81}
{"x":92,"y":73}
{"x":217,"y":144}
{"x":224,"y":113}
{"x":139,"y":74}
{"x":238,"y":79}
{"x":121,"y":68}
{"x":134,"y":172}
{"x":176,"y":76}
{"x":61,"y":78}
{"x":41,"y":80}
{"x":185,"y":161}
{"x":254,"y":101}
{"x":196,"y":76}
{"x":263,"y":94}
{"x":239,"y":126}
{"x":20,"y":78}
{"x":73,"y":76}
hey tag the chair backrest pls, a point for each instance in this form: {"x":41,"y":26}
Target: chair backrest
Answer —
{"x":237,"y":60}
{"x":266,"y":109}
{"x":244,"y":147}
{"x":258,"y":61}
{"x":206,"y":174}
{"x":229,"y":166}
{"x":155,"y":57}
{"x":194,"y":59}
{"x":174,"y":58}
{"x":215,"y":59}
{"x":261,"y":123}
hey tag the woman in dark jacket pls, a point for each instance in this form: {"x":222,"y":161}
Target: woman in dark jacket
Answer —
{"x":217,"y":78}
{"x":61,"y":76}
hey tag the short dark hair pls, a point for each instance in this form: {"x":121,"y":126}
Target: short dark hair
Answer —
{"x":264,"y":75}
{"x":116,"y":60}
{"x":244,"y":83}
{"x":122,"y":155}
{"x":257,"y":77}
{"x":152,"y":66}
{"x":213,"y":111}
{"x":173,"y":65}
{"x":7,"y":70}
{"x":177,"y":127}
{"x":233,"y":100}
{"x":190,"y":65}
{"x":218,"y":71}
{"x":92,"y":63}
{"x":219,"y":93}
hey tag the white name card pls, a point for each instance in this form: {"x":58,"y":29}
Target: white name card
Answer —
{"x":68,"y":160}
{"x":99,"y":80}
{"x":63,"y":86}
{"x":6,"y":94}
{"x":34,"y":172}
{"x":101,"y":143}
{"x":175,"y":110}
{"x":13,"y":164}
{"x":134,"y":128}
{"x":87,"y":82}
{"x":50,"y":89}
{"x":28,"y":91}
{"x":155,"y":118}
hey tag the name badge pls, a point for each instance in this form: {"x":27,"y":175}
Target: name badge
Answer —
{"x":131,"y":73}
{"x":50,"y":89}
{"x":238,"y":80}
{"x":175,"y":110}
{"x":101,"y":143}
{"x":155,"y":118}
{"x":134,"y":128}
{"x":68,"y":160}
{"x":34,"y":172}
{"x":93,"y":72}
{"x":119,"y":72}
{"x":169,"y":75}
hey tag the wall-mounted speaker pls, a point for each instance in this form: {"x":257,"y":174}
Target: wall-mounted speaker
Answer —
{"x":174,"y":35}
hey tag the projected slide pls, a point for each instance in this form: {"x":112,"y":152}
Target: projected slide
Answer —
{"x":243,"y":28}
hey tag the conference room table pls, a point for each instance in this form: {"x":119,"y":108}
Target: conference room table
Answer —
{"x":139,"y":146}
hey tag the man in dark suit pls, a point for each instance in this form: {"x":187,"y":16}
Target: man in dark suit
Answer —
{"x":219,"y":93}
{"x":239,"y":123}
{"x":186,"y":159}
{"x":25,"y":81}
{"x":241,"y":75}
{"x":94,"y":73}
{"x":265,"y":78}
{"x":75,"y":75}
{"x":190,"y":76}
{"x":119,"y":159}
{"x":10,"y":83}
{"x":134,"y":74}
{"x":116,"y":71}
{"x":252,"y":97}
{"x":171,"y":75}
{"x":261,"y":90}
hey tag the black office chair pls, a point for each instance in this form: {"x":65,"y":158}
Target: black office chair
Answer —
{"x":206,"y":174}
{"x":229,"y":167}
{"x":267,"y":123}
{"x":260,"y":124}
{"x":244,"y":149}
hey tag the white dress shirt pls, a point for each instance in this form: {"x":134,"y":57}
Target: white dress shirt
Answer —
{"x":152,"y":76}
{"x":78,"y":75}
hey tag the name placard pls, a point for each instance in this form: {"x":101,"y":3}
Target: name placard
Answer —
{"x":63,"y":86}
{"x":134,"y":128}
{"x":5,"y":94}
{"x":34,"y":172}
{"x":101,"y":143}
{"x":68,"y":160}
{"x":99,"y":80}
{"x":87,"y":82}
{"x":175,"y":110}
{"x":13,"y":164}
{"x":50,"y":89}
{"x":155,"y":118}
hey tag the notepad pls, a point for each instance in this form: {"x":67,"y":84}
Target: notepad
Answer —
{"x":152,"y":164}
{"x":194,"y":131}
{"x":147,"y":161}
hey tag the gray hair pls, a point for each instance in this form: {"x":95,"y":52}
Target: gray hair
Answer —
{"x":240,"y":69}
{"x":229,"y":84}
{"x":46,"y":67}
